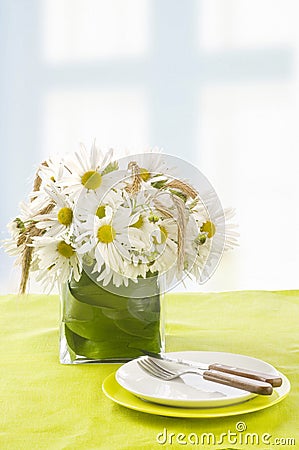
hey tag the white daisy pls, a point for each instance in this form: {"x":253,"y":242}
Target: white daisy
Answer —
{"x":14,"y":245}
{"x":91,"y":171}
{"x":214,"y":222}
{"x":52,"y":170}
{"x":142,"y":224}
{"x":57,"y":260}
{"x":166,"y":248}
{"x":141,"y":234}
{"x":108,"y":238}
{"x":153,"y":168}
{"x":215,"y":235}
{"x":197,"y":250}
{"x":60,"y":218}
{"x":11,"y":246}
{"x":91,"y":203}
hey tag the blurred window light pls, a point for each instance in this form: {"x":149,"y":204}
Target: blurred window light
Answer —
{"x":115,"y":118}
{"x":89,"y":30}
{"x":250,"y":156}
{"x":229,"y":24}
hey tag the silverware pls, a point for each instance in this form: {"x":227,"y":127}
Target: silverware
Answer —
{"x":156,"y":369}
{"x":156,"y":373}
{"x":274,"y":380}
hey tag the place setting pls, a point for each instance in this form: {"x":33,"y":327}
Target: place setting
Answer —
{"x":196,"y":384}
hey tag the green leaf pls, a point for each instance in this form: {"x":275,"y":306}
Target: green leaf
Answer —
{"x":102,"y":325}
{"x":179,"y":194}
{"x":112,"y":348}
{"x":87,"y":291}
{"x":96,"y":349}
{"x":158,"y":184}
{"x":110,"y":168}
{"x":20,"y":224}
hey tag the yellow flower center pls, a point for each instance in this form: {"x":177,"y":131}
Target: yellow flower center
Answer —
{"x":91,"y":179}
{"x":101,"y":211}
{"x":65,"y":216}
{"x":65,"y":249}
{"x":144,"y":174}
{"x":53,"y":179}
{"x":201,"y":239}
{"x":106,"y":234}
{"x":164,"y":233}
{"x":138,"y":223}
{"x":209,"y":228}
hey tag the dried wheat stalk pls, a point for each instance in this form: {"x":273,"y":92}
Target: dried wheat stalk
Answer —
{"x":134,"y":187}
{"x":159,"y":207}
{"x":26,"y":237}
{"x":184,"y":187}
{"x":181,"y":225}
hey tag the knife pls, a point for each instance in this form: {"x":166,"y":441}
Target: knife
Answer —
{"x":274,"y":380}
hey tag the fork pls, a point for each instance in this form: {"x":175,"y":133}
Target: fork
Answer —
{"x":156,"y":369}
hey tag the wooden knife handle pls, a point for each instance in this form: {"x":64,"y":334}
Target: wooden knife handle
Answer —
{"x":274,"y":380}
{"x":247,"y":384}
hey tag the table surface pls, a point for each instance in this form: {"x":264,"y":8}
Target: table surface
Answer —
{"x":46,"y":405}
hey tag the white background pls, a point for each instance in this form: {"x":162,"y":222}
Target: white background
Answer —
{"x":214,"y":82}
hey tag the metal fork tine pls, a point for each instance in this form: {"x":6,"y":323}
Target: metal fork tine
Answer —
{"x":160,"y":367}
{"x":153,"y":367}
{"x":153,"y":370}
{"x":149,"y":369}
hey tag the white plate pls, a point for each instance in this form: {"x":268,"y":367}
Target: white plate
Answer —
{"x":190,"y":390}
{"x":123,"y":397}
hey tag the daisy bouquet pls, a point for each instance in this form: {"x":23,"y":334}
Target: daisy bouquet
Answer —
{"x":113,"y":234}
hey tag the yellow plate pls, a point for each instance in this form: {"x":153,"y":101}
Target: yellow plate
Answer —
{"x":121,"y":396}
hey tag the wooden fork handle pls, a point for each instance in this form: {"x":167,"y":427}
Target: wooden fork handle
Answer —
{"x":247,"y":384}
{"x":274,"y":380}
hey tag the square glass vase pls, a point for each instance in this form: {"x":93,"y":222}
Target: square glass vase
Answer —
{"x":99,"y":325}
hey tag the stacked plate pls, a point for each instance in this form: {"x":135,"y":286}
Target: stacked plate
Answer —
{"x":190,"y":395}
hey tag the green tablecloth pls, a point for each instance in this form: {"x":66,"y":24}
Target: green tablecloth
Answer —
{"x":45,"y":405}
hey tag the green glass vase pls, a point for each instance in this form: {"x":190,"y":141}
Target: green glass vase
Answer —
{"x":98,"y":325}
